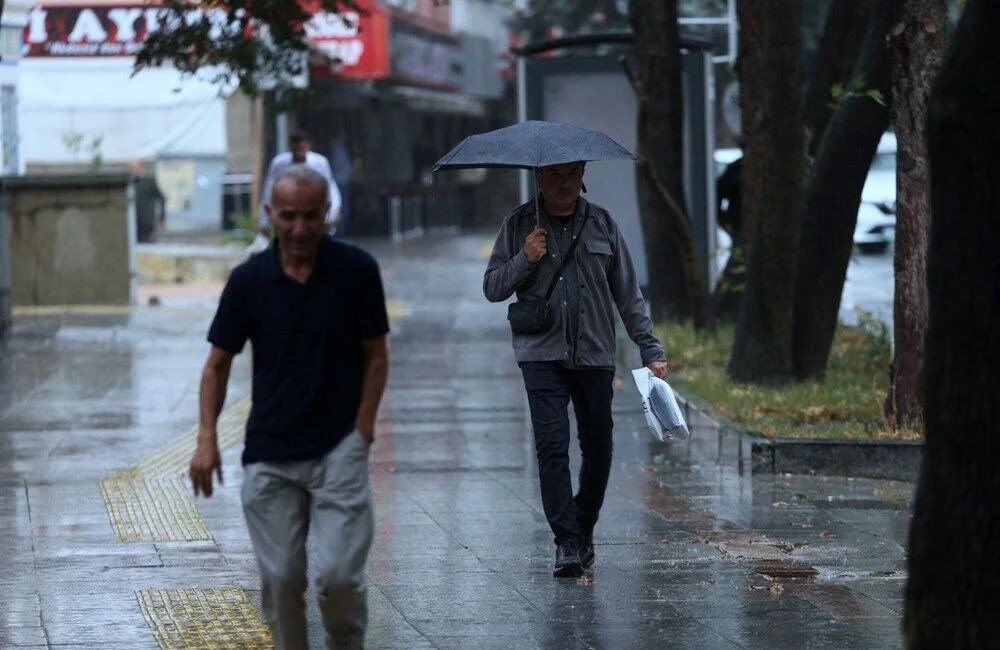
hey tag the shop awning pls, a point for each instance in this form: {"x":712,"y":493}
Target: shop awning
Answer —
{"x":437,"y":101}
{"x":72,"y":110}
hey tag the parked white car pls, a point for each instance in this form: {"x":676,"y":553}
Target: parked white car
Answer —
{"x":876,"y":226}
{"x":723,"y":242}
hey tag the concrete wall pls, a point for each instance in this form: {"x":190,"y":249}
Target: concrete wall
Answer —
{"x":71,"y":239}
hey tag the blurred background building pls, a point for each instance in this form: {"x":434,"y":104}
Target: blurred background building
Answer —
{"x":412,"y":77}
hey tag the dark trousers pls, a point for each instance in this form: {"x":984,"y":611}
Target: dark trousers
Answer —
{"x":550,"y":388}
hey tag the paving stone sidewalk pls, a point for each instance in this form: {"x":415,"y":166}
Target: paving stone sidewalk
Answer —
{"x":104,"y":548}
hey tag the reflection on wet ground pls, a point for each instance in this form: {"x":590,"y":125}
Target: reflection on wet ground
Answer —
{"x":691,"y":553}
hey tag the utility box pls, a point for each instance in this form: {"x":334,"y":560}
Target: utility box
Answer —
{"x":71,"y":239}
{"x":192,"y":188}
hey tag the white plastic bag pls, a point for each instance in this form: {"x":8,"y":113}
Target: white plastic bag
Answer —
{"x":659,"y":404}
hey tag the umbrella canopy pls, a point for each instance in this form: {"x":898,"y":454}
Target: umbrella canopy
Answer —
{"x":532,"y":144}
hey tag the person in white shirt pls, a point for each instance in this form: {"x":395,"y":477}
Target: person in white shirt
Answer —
{"x":300,"y":152}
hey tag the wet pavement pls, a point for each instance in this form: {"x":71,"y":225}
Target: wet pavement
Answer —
{"x":104,"y":548}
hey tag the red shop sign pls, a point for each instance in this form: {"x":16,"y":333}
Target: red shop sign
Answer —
{"x":358,"y":42}
{"x":68,"y":31}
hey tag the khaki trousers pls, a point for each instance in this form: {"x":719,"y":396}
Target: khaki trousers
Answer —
{"x":332,"y":496}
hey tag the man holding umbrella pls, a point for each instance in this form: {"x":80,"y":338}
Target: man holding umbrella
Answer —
{"x":568,"y":263}
{"x":573,"y":257}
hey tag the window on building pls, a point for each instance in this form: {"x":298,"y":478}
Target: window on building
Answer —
{"x":713,"y":21}
{"x":10,"y":43}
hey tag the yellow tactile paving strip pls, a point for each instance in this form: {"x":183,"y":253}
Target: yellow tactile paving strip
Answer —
{"x":26,"y":311}
{"x":49,"y":310}
{"x":172,"y":458}
{"x":397,"y":309}
{"x":151,"y":509}
{"x":149,"y":502}
{"x":219,"y":618}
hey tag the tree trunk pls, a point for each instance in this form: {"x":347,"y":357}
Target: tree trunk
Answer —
{"x":832,"y":197}
{"x":844,"y":27}
{"x":917,"y":45}
{"x":728,"y":296}
{"x":771,"y":73}
{"x":953,"y":592}
{"x":677,"y":287}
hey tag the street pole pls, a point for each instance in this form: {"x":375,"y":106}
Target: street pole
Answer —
{"x":5,"y":279}
{"x":256,"y":129}
{"x":522,"y":115}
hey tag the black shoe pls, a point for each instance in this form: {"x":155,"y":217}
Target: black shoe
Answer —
{"x":567,"y":561}
{"x":587,"y":554}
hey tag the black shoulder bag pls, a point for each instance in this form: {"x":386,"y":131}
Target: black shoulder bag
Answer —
{"x":534,"y":316}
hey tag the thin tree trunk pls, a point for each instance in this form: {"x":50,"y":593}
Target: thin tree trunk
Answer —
{"x":844,"y":27}
{"x":677,"y":287}
{"x":918,"y":46}
{"x":762,"y":349}
{"x":953,"y":591}
{"x":832,"y":198}
{"x":750,"y":67}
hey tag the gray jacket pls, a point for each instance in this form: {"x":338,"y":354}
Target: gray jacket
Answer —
{"x":607,"y":283}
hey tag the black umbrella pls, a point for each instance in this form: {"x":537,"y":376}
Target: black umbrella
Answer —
{"x":532,"y":144}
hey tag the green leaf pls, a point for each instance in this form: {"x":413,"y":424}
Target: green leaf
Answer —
{"x":877,"y":96}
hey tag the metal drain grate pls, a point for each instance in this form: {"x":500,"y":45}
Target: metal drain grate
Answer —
{"x":779,"y":570}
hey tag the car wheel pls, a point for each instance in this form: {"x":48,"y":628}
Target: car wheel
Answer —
{"x":873,"y":248}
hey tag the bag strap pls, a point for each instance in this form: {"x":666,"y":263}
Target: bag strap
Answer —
{"x":566,"y":258}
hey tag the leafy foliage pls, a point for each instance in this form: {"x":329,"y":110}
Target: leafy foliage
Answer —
{"x":255,"y":44}
{"x":844,"y":404}
{"x":244,"y":231}
{"x":570,"y":16}
{"x":855,"y":88}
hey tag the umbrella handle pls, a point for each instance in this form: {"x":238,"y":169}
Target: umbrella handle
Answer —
{"x":538,"y":214}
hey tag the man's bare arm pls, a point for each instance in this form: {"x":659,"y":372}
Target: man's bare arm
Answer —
{"x":211,"y":397}
{"x":376,"y":373}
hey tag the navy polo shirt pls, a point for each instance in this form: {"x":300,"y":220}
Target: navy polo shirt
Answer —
{"x":308,"y":361}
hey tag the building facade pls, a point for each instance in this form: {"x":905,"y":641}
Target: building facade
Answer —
{"x":408,"y":80}
{"x":81,"y":108}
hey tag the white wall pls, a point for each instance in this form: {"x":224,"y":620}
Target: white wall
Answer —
{"x":610,"y":183}
{"x":14,"y":18}
{"x":152,"y":114}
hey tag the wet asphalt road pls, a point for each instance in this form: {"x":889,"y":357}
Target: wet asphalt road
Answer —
{"x":103,"y":547}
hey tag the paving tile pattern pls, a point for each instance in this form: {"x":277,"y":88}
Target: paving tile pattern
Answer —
{"x":96,"y":408}
{"x":203,"y":619}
